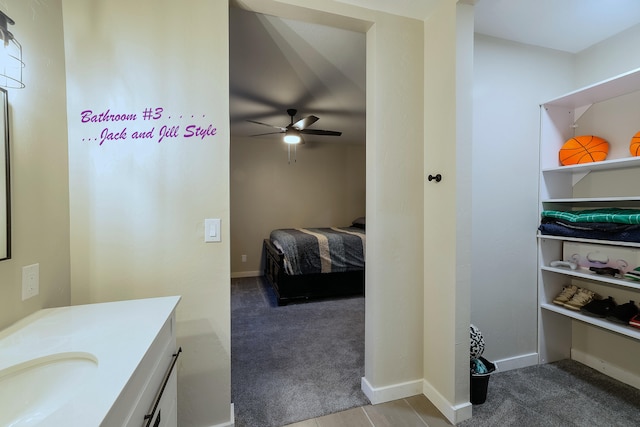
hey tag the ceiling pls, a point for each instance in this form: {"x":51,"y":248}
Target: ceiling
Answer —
{"x":276,"y":63}
{"x":567,"y":25}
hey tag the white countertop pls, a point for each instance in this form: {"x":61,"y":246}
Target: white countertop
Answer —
{"x":116,"y":334}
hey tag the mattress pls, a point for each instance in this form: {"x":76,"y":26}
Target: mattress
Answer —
{"x":320,"y":250}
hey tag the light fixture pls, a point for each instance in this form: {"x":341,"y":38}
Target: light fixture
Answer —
{"x":11,"y":64}
{"x":292,"y":136}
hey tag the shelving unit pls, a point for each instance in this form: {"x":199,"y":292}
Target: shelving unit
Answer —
{"x":584,"y":112}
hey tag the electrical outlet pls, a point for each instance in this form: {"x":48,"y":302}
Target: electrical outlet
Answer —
{"x":244,"y":258}
{"x":30,"y":281}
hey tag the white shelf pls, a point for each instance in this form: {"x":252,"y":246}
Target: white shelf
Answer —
{"x":593,"y":241}
{"x":624,"y":163}
{"x":590,"y":275}
{"x":608,"y":200}
{"x":559,"y":183}
{"x":628,"y":331}
{"x":595,"y":202}
{"x":608,"y":89}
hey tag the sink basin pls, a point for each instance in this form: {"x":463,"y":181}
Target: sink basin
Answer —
{"x":32,"y":390}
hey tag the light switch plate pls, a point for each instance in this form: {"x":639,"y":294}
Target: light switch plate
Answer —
{"x":212,"y":230}
{"x":30,"y":281}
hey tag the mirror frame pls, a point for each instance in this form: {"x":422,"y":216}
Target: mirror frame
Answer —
{"x":5,"y":182}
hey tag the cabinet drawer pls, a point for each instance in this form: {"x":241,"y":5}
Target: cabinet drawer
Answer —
{"x":166,"y":414}
{"x":138,"y":396}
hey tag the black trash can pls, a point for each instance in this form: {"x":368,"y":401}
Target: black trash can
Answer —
{"x":480,"y":383}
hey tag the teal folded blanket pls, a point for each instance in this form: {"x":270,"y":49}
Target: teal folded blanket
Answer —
{"x":613,"y":215}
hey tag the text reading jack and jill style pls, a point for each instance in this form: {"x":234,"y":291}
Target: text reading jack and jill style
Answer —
{"x":121,"y":127}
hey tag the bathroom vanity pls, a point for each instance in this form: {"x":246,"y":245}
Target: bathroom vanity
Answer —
{"x":107,"y":364}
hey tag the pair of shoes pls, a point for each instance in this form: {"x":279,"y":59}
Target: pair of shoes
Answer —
{"x":610,"y":271}
{"x":580,"y":299}
{"x":623,"y":313}
{"x":573,"y":297}
{"x":567,"y":293}
{"x":599,"y":307}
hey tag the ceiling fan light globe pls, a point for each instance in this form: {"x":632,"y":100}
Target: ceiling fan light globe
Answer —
{"x":292,"y":139}
{"x":292,"y":136}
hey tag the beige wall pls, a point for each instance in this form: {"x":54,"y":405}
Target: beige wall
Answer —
{"x":444,"y":382}
{"x":324,"y":187}
{"x":394,"y":187}
{"x":38,"y":132}
{"x":138,"y":206}
{"x":394,"y":310}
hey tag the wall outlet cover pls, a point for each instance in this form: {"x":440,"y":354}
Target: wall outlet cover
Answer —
{"x":30,"y":281}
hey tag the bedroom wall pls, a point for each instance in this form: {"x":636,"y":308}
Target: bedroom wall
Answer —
{"x":510,"y":81}
{"x":324,"y":187}
{"x":39,"y":175}
{"x":138,"y":203}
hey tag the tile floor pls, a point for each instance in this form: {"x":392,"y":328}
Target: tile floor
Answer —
{"x":413,"y":411}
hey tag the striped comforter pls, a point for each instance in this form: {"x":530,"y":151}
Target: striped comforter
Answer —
{"x":320,"y":250}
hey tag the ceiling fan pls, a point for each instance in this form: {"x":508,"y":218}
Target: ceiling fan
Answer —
{"x":293,"y":131}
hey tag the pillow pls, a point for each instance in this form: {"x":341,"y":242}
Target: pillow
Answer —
{"x":583,"y":149}
{"x":358,"y":222}
{"x":634,"y":146}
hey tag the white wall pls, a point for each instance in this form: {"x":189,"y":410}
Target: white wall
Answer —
{"x":39,"y":174}
{"x":138,"y":205}
{"x":608,"y":58}
{"x":510,"y":81}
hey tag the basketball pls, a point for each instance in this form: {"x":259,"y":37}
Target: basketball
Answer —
{"x":634,"y":147}
{"x":584,"y":149}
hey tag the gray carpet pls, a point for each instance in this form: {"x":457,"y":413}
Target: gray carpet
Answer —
{"x":563,"y":394}
{"x":294,"y":362}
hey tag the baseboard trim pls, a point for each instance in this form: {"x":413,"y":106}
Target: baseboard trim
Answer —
{"x":516,"y":362}
{"x":241,"y":274}
{"x":454,"y":413}
{"x":232,"y":420}
{"x":606,"y":368}
{"x":391,"y":392}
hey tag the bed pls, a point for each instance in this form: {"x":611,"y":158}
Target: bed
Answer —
{"x":313,"y":263}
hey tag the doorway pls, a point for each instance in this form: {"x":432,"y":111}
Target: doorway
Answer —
{"x":276,"y":64}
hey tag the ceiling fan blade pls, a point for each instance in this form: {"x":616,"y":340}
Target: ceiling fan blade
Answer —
{"x":266,"y":124}
{"x":268,"y":133}
{"x":320,"y":132}
{"x":305,"y":122}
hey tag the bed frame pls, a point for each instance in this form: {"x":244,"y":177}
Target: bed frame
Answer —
{"x":308,"y":286}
